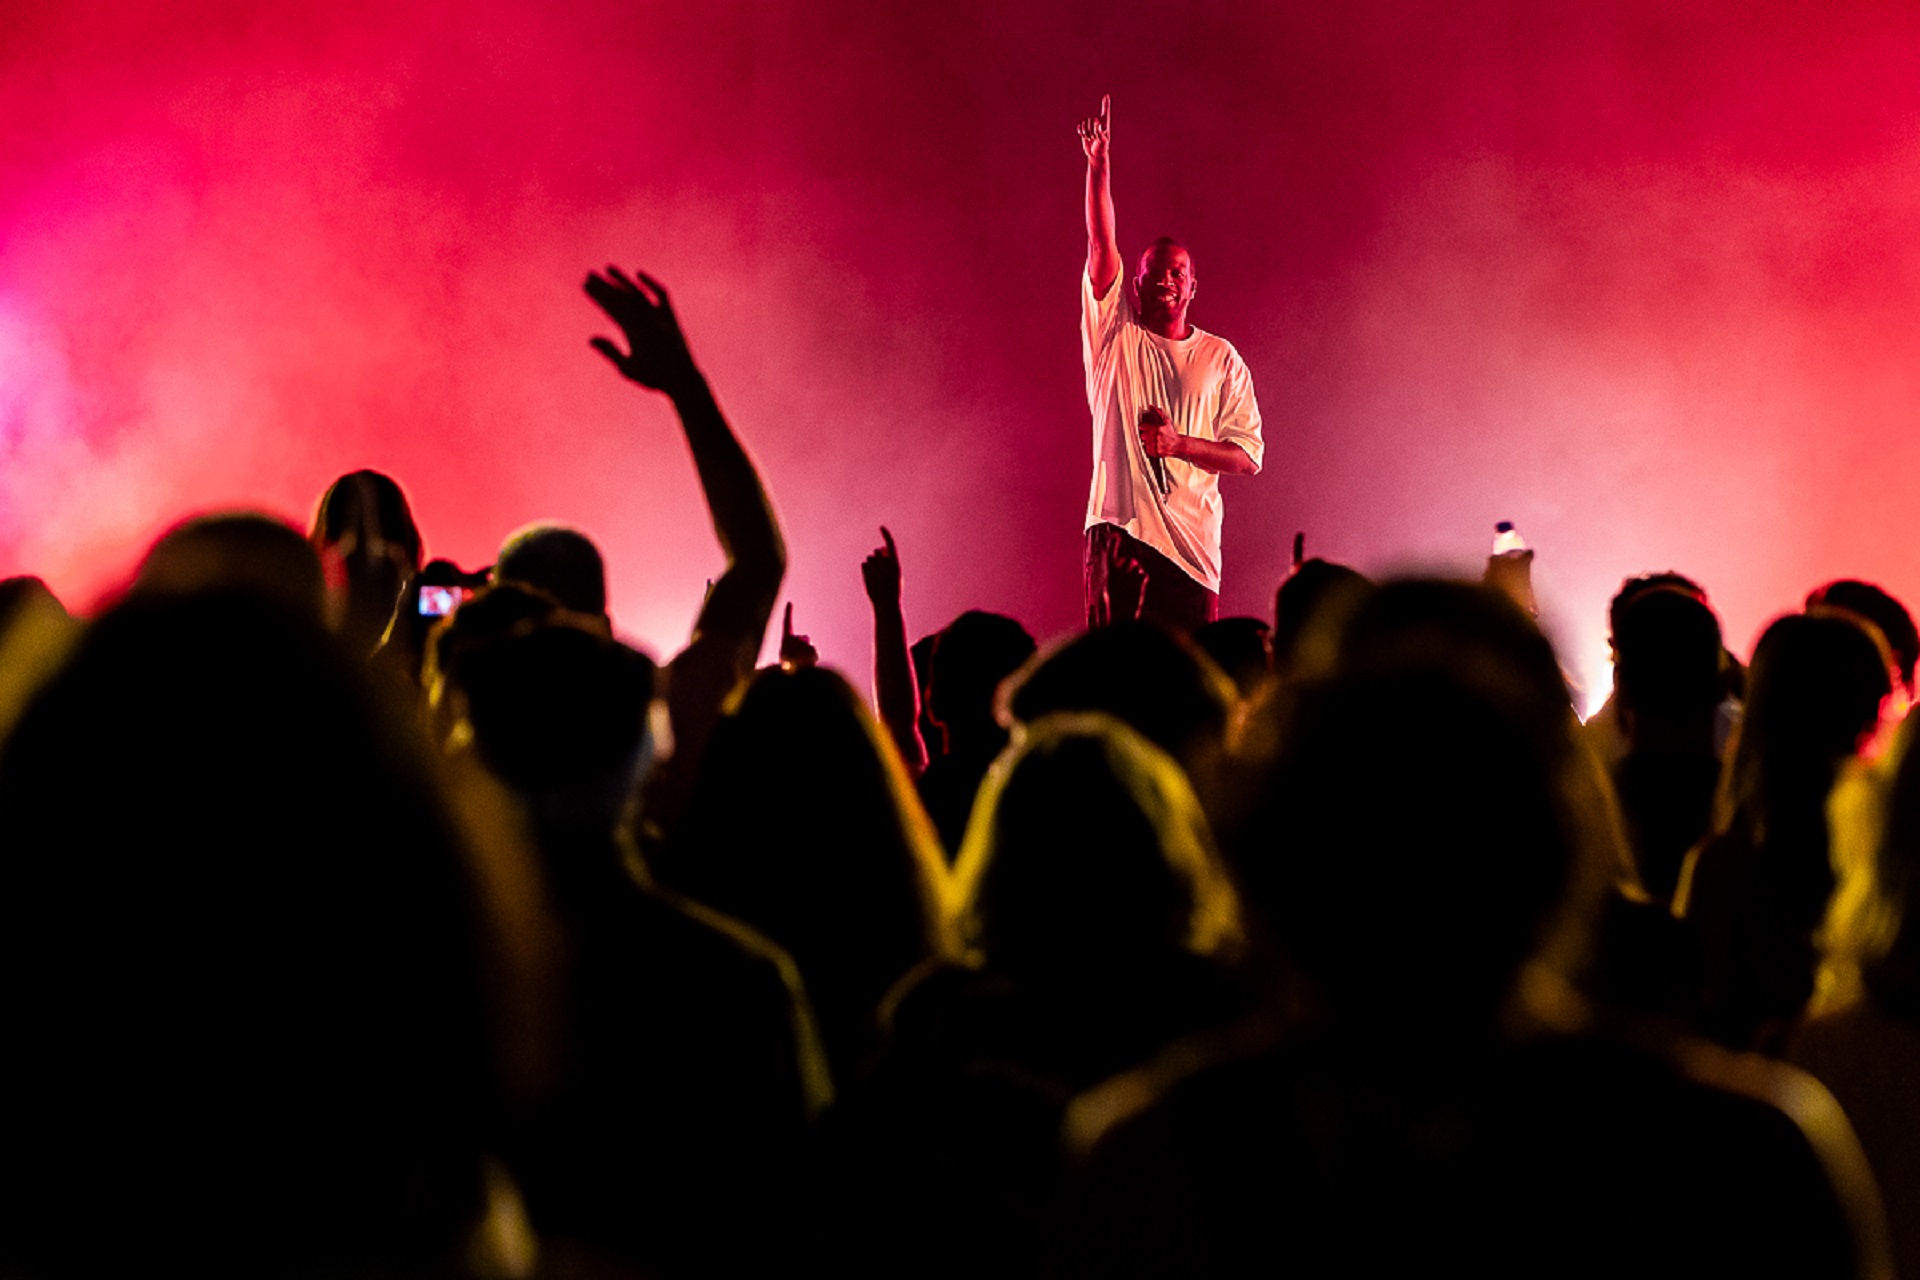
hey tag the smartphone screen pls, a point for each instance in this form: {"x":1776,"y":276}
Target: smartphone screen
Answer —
{"x":438,"y":602}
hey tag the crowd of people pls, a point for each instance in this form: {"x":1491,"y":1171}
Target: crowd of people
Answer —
{"x":340,"y":936}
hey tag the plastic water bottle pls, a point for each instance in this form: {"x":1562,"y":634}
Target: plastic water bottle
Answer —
{"x":1507,"y":539}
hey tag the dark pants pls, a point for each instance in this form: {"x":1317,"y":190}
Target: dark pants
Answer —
{"x":1172,"y":599}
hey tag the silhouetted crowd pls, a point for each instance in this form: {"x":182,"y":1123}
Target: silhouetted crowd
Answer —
{"x":366,"y":917}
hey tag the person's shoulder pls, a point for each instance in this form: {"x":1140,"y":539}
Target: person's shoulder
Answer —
{"x":1232,"y":352}
{"x":1113,"y":307}
{"x":1212,"y":343}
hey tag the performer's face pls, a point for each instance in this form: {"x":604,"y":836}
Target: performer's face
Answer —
{"x":1165,"y":282}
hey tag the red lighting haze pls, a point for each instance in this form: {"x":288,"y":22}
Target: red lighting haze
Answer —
{"x":1643,"y":278}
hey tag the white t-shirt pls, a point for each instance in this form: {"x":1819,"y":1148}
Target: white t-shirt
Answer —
{"x":1204,"y":387}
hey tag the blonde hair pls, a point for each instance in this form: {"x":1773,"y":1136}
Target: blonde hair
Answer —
{"x":1867,"y":911}
{"x":1162,"y":799}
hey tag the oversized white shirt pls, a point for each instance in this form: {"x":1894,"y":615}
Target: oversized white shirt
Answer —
{"x":1204,"y":387}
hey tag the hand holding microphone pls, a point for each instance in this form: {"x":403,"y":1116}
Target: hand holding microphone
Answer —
{"x":1159,"y":439}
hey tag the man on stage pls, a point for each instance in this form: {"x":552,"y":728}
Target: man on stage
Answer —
{"x":1173,"y":409}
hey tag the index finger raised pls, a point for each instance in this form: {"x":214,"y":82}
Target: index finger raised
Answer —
{"x":888,"y":539}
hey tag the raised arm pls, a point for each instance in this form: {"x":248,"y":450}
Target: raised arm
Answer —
{"x":733,"y":621}
{"x":1103,"y":249}
{"x":895,"y":691}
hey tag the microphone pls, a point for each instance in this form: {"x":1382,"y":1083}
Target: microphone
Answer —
{"x":1153,"y":416}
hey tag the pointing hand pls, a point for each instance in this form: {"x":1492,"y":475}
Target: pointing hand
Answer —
{"x":1096,"y":130}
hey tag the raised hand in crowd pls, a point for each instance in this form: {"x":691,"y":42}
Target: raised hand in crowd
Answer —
{"x":895,"y":691}
{"x":657,"y":355}
{"x":795,"y":651}
{"x":880,"y":571}
{"x":733,"y":620}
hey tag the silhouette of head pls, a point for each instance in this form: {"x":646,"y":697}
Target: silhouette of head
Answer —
{"x":1308,"y":611}
{"x":559,"y":560}
{"x":1088,"y":848}
{"x":240,"y":551}
{"x":1633,"y":588}
{"x":1155,"y":682}
{"x":1417,"y":831}
{"x":556,"y":705}
{"x":1667,"y":658}
{"x":970,"y":658}
{"x":237,"y":957}
{"x":802,"y":814}
{"x":1813,"y":695}
{"x":802,"y":823}
{"x":35,"y":631}
{"x":366,"y":514}
{"x":369,"y":548}
{"x":494,"y":614}
{"x":23,"y":594}
{"x":1872,"y":603}
{"x":1240,"y":647}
